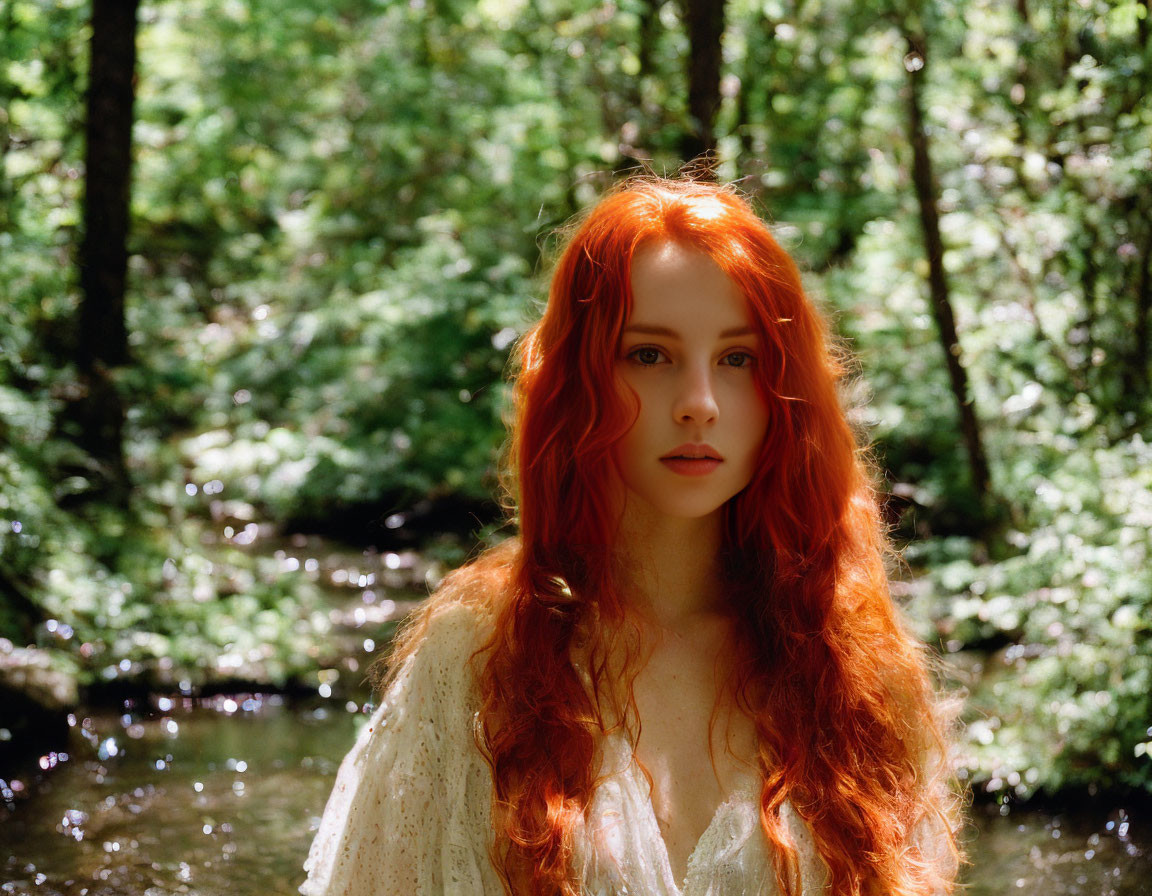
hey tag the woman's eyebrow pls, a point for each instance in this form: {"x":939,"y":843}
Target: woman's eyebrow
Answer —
{"x":655,"y":330}
{"x":651,"y":330}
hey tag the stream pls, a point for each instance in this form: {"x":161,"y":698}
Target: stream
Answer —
{"x":223,"y":795}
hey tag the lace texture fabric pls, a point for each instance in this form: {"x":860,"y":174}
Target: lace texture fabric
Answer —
{"x":410,"y":811}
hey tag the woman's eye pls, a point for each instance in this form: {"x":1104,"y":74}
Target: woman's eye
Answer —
{"x":738,"y":359}
{"x":645,"y":356}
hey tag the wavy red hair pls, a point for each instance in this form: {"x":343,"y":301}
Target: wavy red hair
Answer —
{"x":849,"y":727}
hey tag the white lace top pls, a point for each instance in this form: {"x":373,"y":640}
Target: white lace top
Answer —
{"x":410,"y":810}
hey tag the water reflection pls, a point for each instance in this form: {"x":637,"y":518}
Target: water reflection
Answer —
{"x":214,"y":797}
{"x":1095,"y":852}
{"x":223,"y":795}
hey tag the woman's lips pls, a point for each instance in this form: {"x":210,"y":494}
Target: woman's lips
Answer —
{"x":692,"y":459}
{"x":691,"y":466}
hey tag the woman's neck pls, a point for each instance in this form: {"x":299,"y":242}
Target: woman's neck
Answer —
{"x":669,"y":568}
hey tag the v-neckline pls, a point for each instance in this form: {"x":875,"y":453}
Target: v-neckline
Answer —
{"x":744,"y":789}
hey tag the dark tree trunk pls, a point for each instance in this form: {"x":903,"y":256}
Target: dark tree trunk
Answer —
{"x":924,"y":181}
{"x":649,"y":30}
{"x":704,"y":20}
{"x":8,"y":92}
{"x":1136,"y":375}
{"x":636,"y":134}
{"x":103,"y":335}
{"x":108,"y":164}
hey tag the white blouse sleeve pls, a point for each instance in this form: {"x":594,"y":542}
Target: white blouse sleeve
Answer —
{"x":410,"y":812}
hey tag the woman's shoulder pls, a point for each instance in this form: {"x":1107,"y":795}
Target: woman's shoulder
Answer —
{"x":440,"y":638}
{"x":450,"y":630}
{"x":445,"y":632}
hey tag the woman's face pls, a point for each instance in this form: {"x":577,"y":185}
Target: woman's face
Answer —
{"x":687,"y":353}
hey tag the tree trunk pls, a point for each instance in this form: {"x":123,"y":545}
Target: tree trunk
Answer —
{"x":103,"y":340}
{"x":8,"y":93}
{"x":1136,"y":374}
{"x":704,"y":20}
{"x":646,"y":39}
{"x":924,"y":181}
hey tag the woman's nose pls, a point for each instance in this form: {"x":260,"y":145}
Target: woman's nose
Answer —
{"x":696,"y":398}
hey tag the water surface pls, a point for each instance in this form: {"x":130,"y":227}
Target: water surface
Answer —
{"x":222,"y":796}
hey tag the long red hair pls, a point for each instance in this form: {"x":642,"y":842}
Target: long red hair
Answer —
{"x":849,"y":727}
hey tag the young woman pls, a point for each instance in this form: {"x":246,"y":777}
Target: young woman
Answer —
{"x":686,"y":675}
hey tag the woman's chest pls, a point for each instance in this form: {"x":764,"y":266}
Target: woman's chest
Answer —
{"x":692,"y":739}
{"x":694,"y":748}
{"x":626,"y":850}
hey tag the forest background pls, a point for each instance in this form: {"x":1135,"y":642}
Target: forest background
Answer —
{"x":337,"y":222}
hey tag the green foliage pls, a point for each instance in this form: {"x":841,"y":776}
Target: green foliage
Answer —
{"x":1044,"y":175}
{"x":1065,"y":698}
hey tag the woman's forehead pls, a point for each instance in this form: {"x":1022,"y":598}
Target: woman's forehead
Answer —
{"x":679,"y":288}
